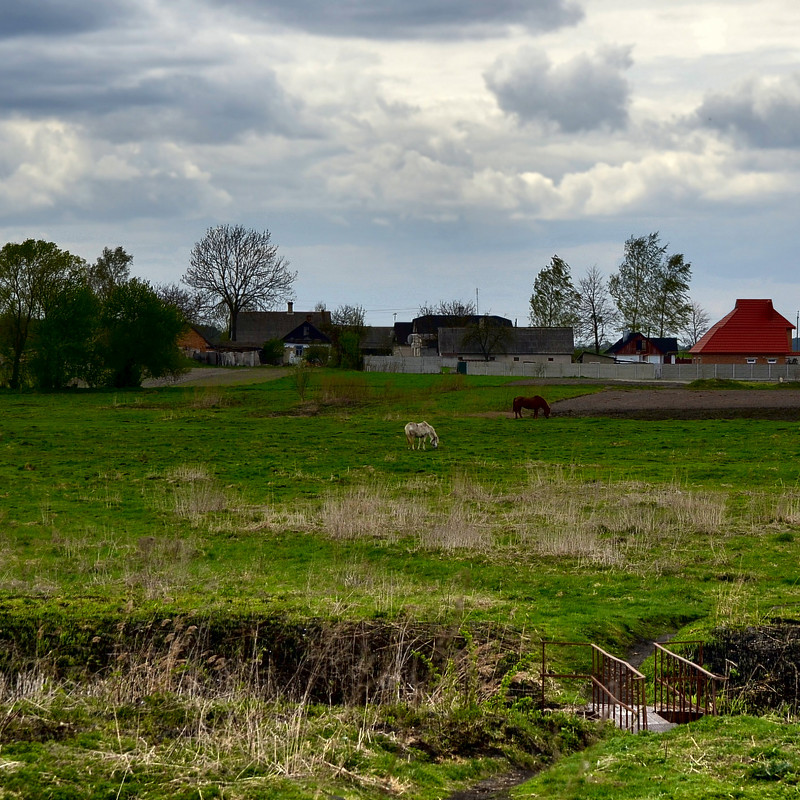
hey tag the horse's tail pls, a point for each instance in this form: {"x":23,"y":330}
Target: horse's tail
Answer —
{"x":517,"y":404}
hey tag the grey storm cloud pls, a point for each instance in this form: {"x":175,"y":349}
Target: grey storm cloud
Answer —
{"x":760,"y":112}
{"x":56,"y":18}
{"x":585,"y":93}
{"x":124,"y":102}
{"x":411,"y":19}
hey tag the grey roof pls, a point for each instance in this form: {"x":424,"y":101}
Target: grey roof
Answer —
{"x":523,"y":342}
{"x":377,"y":337}
{"x":257,"y":327}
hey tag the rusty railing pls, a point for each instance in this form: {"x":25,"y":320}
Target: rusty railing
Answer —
{"x":684,"y":691}
{"x":618,"y":690}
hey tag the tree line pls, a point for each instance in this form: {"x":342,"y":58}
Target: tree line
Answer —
{"x":64,"y":320}
{"x":649,"y":294}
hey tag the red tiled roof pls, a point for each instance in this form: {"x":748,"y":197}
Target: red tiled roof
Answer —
{"x":753,"y":327}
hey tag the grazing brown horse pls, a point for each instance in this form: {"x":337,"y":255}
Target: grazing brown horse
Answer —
{"x":535,"y":403}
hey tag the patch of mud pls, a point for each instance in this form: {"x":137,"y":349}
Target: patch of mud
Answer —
{"x":498,"y":787}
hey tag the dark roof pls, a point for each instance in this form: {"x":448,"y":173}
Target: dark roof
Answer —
{"x":377,"y":338}
{"x":402,"y":330}
{"x":753,"y":326}
{"x":523,"y":342}
{"x":210,"y":333}
{"x":305,"y":333}
{"x":663,"y":345}
{"x":257,"y":327}
{"x":430,"y":323}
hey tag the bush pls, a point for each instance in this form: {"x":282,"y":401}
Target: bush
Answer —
{"x":272,"y":352}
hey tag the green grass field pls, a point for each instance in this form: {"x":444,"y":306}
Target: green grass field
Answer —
{"x":163,"y":550}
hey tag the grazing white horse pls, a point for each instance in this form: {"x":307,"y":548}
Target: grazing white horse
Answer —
{"x":420,"y":431}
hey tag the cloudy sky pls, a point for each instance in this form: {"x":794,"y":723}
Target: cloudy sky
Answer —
{"x":401,"y":152}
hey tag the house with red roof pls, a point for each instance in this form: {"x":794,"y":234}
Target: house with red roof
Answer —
{"x":753,"y":333}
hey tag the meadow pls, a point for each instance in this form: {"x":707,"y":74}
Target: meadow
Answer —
{"x":257,"y":590}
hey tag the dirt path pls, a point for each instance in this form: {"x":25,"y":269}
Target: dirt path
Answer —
{"x":220,"y":376}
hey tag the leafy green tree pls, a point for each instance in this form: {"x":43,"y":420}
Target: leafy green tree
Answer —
{"x":112,"y":268}
{"x":346,"y":333}
{"x":651,"y":289}
{"x":235,"y":269}
{"x":554,"y":302}
{"x":139,"y":335}
{"x":672,"y":307}
{"x":272,"y":351}
{"x":64,"y":341}
{"x":31,"y":276}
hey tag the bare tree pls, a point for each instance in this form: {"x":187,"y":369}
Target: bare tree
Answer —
{"x":238,"y":269}
{"x":348,"y":316}
{"x":696,"y":325}
{"x":596,"y":310}
{"x":463,"y":309}
{"x":489,"y":335}
{"x":188,"y":303}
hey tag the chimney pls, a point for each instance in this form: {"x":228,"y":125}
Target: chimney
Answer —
{"x":290,"y":307}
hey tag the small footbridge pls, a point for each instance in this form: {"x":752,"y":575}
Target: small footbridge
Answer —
{"x":681,"y":690}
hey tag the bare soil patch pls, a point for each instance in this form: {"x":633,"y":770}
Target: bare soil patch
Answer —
{"x":678,"y":403}
{"x":220,"y":376}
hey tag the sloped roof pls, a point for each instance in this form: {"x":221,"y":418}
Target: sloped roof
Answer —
{"x":661,"y":344}
{"x":377,"y":337}
{"x":210,"y":333}
{"x":430,"y":323}
{"x":753,"y":327}
{"x":522,"y":341}
{"x":257,"y":327}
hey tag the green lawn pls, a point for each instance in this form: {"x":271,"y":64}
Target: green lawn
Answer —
{"x":130,"y":518}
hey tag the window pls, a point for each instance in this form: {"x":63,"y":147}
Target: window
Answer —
{"x":751,"y":360}
{"x":772,"y":361}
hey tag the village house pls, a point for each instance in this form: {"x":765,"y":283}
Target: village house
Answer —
{"x":637,"y":348}
{"x":753,"y":333}
{"x":298,"y":330}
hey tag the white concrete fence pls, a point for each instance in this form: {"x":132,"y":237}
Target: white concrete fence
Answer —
{"x":628,"y":371}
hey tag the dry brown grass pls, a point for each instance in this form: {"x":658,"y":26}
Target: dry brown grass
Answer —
{"x":554,"y":513}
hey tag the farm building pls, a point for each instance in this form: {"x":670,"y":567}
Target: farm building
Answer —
{"x":508,"y":344}
{"x":424,"y":338}
{"x":203,"y":343}
{"x":753,"y":333}
{"x":636,"y":347}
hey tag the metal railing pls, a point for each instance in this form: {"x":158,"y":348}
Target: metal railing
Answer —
{"x":618,"y":690}
{"x":683,"y":690}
